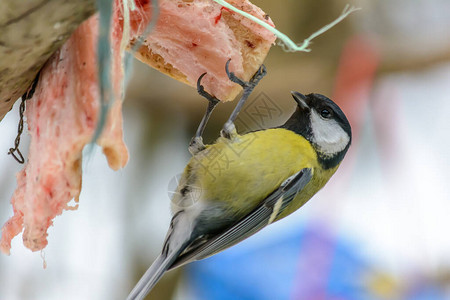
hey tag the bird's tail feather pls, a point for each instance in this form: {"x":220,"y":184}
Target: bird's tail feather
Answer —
{"x":152,"y":276}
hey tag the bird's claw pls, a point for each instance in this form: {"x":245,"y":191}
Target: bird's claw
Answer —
{"x":260,"y":73}
{"x":201,"y":91}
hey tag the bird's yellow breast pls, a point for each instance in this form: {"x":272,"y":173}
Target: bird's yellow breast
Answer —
{"x":243,"y":171}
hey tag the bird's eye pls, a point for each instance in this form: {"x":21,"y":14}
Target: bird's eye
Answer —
{"x":325,"y":113}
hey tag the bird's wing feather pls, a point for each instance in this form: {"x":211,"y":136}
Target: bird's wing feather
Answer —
{"x":260,"y":217}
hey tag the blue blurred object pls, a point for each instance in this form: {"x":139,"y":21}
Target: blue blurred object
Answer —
{"x":302,"y":263}
{"x":305,"y":263}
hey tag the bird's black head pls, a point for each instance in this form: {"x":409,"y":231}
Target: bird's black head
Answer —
{"x":324,"y":125}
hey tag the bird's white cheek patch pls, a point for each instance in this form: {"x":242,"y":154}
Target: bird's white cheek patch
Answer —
{"x":328,"y":134}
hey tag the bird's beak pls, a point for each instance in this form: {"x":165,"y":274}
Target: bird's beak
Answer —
{"x":300,"y":99}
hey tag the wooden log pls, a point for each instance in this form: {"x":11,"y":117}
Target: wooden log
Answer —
{"x":30,"y":31}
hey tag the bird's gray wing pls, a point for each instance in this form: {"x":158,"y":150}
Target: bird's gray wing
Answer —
{"x":260,"y":217}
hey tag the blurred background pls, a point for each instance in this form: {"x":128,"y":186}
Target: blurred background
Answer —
{"x":378,"y":230}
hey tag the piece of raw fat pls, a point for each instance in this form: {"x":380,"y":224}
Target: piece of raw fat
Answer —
{"x":62,"y":116}
{"x":199,"y":36}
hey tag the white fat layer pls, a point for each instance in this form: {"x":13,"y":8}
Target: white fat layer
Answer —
{"x":328,"y":135}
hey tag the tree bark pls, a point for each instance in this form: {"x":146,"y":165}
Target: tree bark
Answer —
{"x":30,"y":32}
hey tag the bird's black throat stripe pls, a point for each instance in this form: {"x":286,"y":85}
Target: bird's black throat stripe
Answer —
{"x":330,"y":161}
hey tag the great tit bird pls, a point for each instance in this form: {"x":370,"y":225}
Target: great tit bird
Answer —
{"x":235,"y":187}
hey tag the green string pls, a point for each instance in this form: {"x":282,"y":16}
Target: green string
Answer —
{"x":107,"y":96}
{"x":285,"y":41}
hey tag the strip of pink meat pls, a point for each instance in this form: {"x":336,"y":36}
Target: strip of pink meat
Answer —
{"x":61,"y":117}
